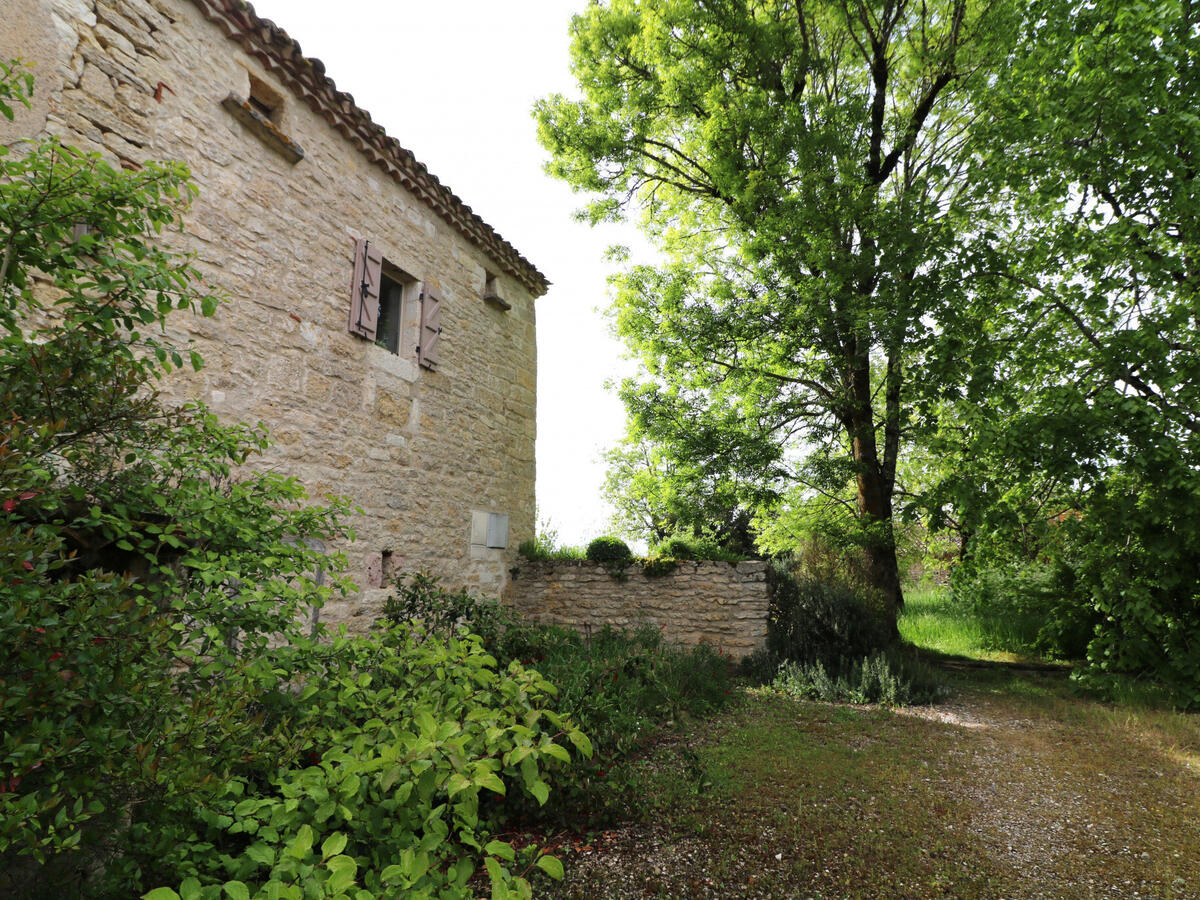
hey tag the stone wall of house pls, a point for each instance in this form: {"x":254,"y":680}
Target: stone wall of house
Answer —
{"x":421,"y":452}
{"x":722,"y":604}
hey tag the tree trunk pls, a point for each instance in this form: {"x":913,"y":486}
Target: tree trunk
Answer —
{"x":875,"y":506}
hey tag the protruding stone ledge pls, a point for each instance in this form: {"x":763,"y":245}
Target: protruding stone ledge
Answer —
{"x":263,"y":128}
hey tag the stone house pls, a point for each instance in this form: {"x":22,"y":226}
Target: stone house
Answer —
{"x":381,"y":330}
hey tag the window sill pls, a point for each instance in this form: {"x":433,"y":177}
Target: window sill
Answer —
{"x":263,"y":128}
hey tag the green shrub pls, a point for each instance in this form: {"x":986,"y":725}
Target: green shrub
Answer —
{"x":1134,"y":558}
{"x":885,"y":678}
{"x":405,"y":738}
{"x":422,"y":597}
{"x":659,"y":567}
{"x":1026,"y":608}
{"x":811,"y":621}
{"x":696,"y":548}
{"x":609,"y":550}
{"x":166,"y":716}
{"x":678,"y":547}
{"x":620,"y":688}
{"x":148,"y":579}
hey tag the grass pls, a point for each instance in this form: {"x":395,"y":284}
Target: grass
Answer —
{"x":932,"y":621}
{"x":540,"y":549}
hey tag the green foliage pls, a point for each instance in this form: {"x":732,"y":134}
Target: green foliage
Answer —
{"x":885,"y":678}
{"x":694,"y":548}
{"x":656,"y":495}
{"x":443,"y":612}
{"x":1092,"y":384}
{"x":16,"y":86}
{"x":812,"y":621}
{"x":800,"y":168}
{"x":659,"y":566}
{"x":1132,"y":560}
{"x":610,"y":550}
{"x":168,"y":723}
{"x":1025,"y":607}
{"x":621,"y":688}
{"x":147,"y":588}
{"x":406,"y":741}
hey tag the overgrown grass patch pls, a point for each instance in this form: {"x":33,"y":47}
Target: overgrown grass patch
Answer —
{"x":933,"y":620}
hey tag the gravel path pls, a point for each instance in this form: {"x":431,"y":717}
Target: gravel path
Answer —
{"x":1075,"y":811}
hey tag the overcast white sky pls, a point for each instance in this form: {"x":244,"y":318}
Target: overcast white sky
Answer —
{"x":454,"y":81}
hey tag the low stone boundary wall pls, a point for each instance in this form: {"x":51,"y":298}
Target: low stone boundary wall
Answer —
{"x":723,"y":604}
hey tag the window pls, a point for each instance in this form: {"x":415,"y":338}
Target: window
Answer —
{"x":262,"y":112}
{"x":392,"y":309}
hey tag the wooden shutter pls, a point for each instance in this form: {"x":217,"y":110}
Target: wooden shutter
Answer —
{"x":364,"y":289}
{"x":431,"y":324}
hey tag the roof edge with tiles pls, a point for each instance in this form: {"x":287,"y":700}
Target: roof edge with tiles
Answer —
{"x":271,"y":46}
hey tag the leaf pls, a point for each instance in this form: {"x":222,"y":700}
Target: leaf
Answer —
{"x":551,"y":866}
{"x":161,"y":893}
{"x":334,"y":844}
{"x":492,"y":782}
{"x":301,"y":844}
{"x":237,"y":890}
{"x":456,"y":783}
{"x":541,"y":791}
{"x":581,"y":742}
{"x":393,"y":873}
{"x":261,"y":854}
{"x":496,"y":875}
{"x":343,"y":870}
{"x":501,"y":849}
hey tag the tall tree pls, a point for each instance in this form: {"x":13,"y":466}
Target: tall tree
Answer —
{"x":800,"y":163}
{"x":1089,"y":152}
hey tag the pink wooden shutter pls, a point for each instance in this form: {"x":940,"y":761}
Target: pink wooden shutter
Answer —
{"x":364,"y":289}
{"x":431,"y":324}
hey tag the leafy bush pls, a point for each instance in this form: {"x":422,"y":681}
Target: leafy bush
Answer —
{"x":619,"y":687}
{"x":886,"y":678}
{"x":811,"y":621}
{"x":167,"y":717}
{"x":395,"y":766}
{"x":143,"y":584}
{"x":610,"y":550}
{"x":422,"y":597}
{"x":1134,"y":558}
{"x":694,"y":548}
{"x":1025,"y":607}
{"x":659,"y":566}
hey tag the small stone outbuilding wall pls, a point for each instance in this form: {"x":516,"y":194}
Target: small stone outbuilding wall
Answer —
{"x":722,"y":604}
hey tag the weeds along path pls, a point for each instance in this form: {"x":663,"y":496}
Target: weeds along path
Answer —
{"x":1012,"y":789}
